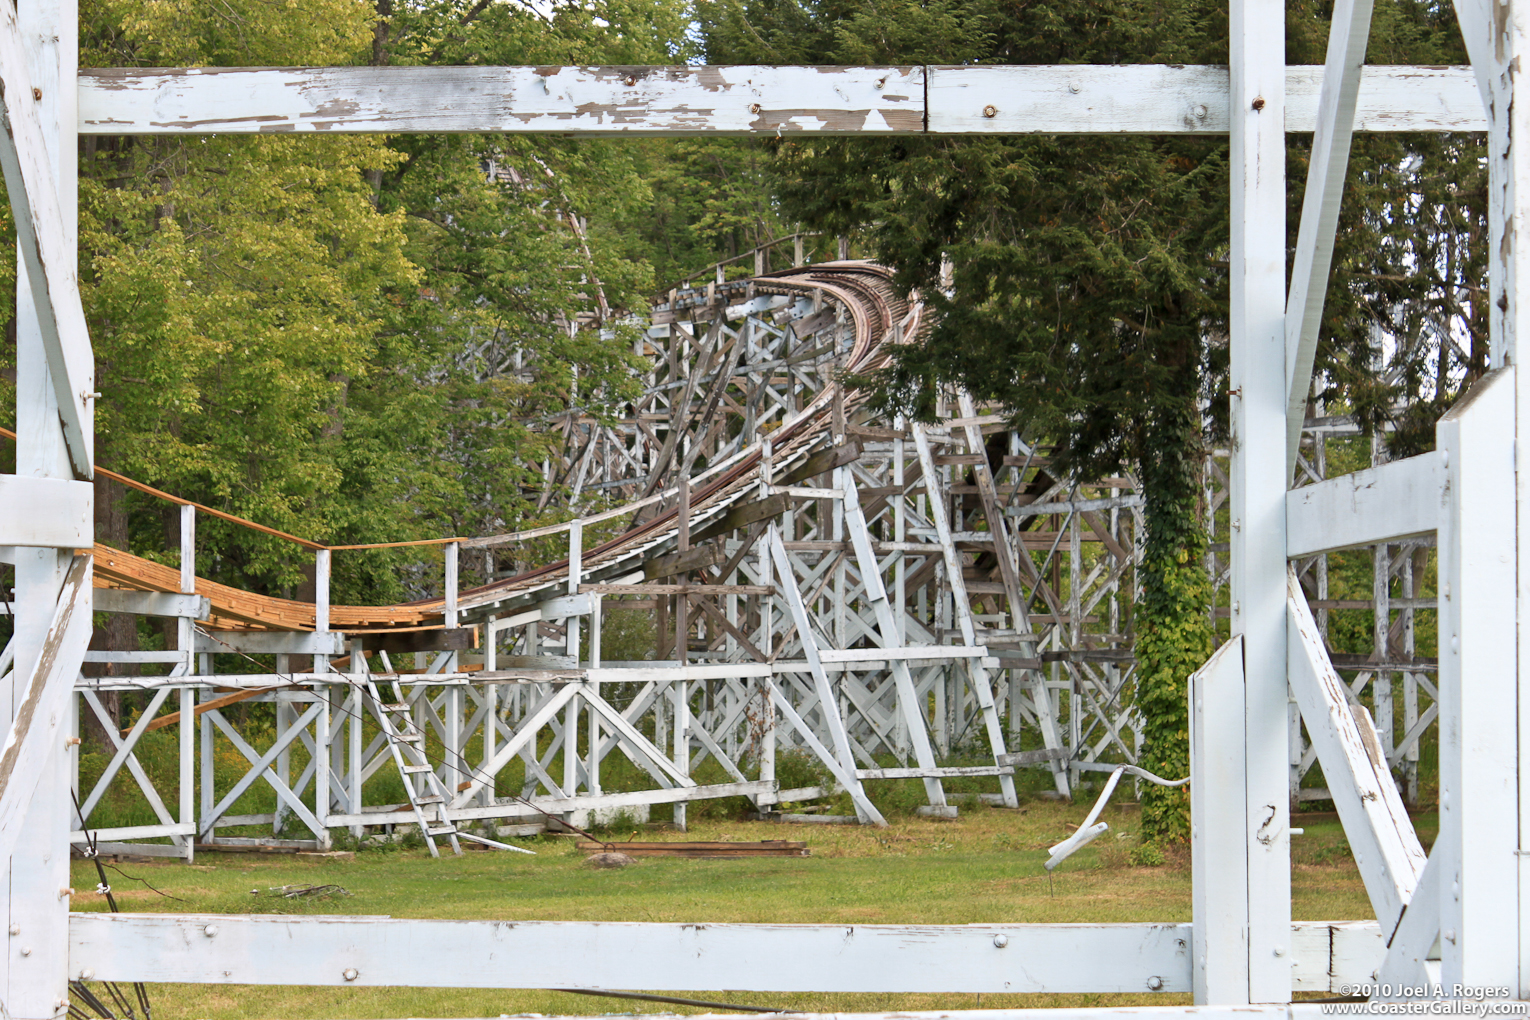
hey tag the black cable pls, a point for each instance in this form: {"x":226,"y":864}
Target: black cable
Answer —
{"x":135,"y":878}
{"x":645,"y":997}
{"x":139,"y":991}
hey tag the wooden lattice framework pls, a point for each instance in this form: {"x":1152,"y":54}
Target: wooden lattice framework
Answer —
{"x":1455,"y":915}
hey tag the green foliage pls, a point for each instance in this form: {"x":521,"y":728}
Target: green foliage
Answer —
{"x":364,"y":339}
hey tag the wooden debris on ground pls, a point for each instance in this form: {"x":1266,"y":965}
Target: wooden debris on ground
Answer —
{"x":700,"y":848}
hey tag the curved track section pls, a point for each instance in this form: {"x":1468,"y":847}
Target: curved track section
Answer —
{"x":783,"y":577}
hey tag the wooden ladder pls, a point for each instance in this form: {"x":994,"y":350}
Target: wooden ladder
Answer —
{"x":408,"y":746}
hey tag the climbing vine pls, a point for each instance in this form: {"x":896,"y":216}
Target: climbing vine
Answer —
{"x":1174,"y":634}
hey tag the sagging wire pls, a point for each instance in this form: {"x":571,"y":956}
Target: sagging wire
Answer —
{"x":291,"y":681}
{"x":77,"y":987}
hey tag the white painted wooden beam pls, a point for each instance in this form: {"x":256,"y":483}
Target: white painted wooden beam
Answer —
{"x":44,"y":245}
{"x":151,"y":603}
{"x":1326,"y":169}
{"x":1381,"y":504}
{"x":1070,"y":99}
{"x":42,"y":711}
{"x":222,"y":642}
{"x":46,"y":512}
{"x":540,"y":954}
{"x":1218,"y":873}
{"x":1407,"y":963}
{"x":1165,"y":99}
{"x":1256,"y":328}
{"x":1355,"y":767}
{"x":828,"y":701}
{"x":1478,"y":847}
{"x":599,"y":100}
{"x":764,"y":957}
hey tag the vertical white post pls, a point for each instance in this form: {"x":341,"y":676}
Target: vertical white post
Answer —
{"x":490,"y":704}
{"x":1509,"y":262}
{"x":184,"y":632}
{"x":321,"y":603}
{"x":321,"y":773}
{"x":1479,"y":777}
{"x":452,"y":552}
{"x":571,"y":636}
{"x":187,"y":747}
{"x":1255,"y":873}
{"x":592,"y":767}
{"x":35,"y":985}
{"x":1216,"y":767}
{"x":208,"y":833}
{"x":355,"y":710}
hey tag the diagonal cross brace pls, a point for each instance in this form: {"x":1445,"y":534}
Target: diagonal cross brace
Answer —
{"x":1359,"y":779}
{"x":43,"y":711}
{"x":29,"y":179}
{"x":1320,"y":207}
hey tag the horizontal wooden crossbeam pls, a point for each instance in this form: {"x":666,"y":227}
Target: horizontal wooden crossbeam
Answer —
{"x":1380,"y":504}
{"x":742,"y":100}
{"x":363,"y":951}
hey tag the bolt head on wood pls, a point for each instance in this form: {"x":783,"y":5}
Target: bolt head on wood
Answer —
{"x":990,"y":111}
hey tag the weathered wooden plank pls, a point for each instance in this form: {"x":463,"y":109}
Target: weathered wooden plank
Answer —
{"x":588,"y":100}
{"x":743,"y":516}
{"x":741,"y":100}
{"x":818,"y":463}
{"x":681,"y":563}
{"x":151,"y":603}
{"x":271,"y":642}
{"x":45,"y":246}
{"x":1165,"y":99}
{"x":1219,"y":876}
{"x":1327,"y":165}
{"x":1378,"y":504}
{"x":48,"y":512}
{"x":222,"y":949}
{"x":42,"y":711}
{"x":1359,"y":779}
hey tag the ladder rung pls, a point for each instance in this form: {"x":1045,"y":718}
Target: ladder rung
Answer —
{"x":412,"y":738}
{"x":396,"y":708}
{"x":430,"y":799}
{"x":415,"y":770}
{"x":445,"y":830}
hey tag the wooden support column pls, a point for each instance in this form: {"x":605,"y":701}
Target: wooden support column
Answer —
{"x":185,"y":643}
{"x":1243,"y":920}
{"x":682,"y":745}
{"x":1475,"y":853}
{"x":37,"y":910}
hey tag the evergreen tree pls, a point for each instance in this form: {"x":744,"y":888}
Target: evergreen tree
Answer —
{"x":1088,"y":272}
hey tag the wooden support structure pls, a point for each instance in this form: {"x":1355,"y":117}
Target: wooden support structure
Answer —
{"x":889,"y":597}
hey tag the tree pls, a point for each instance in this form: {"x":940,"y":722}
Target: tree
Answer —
{"x":1089,"y":286}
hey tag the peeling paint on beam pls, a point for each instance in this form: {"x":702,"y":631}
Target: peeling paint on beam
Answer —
{"x":743,"y":100}
{"x":695,"y":100}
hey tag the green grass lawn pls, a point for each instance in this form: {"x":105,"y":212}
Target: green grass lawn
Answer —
{"x":985,"y":866}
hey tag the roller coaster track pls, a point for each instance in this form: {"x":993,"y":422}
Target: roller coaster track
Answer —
{"x":866,"y":292}
{"x":816,"y":581}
